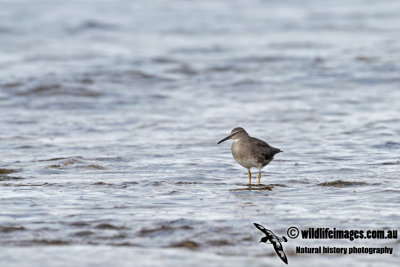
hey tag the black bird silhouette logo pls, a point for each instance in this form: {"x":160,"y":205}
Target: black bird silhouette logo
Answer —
{"x":274,"y":240}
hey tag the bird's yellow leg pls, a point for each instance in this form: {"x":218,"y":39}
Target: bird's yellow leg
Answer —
{"x":259,"y":177}
{"x":249,"y":176}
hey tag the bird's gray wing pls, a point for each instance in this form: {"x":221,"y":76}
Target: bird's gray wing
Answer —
{"x":261,"y":228}
{"x":268,"y":233}
{"x":264,"y":150}
{"x":279,"y":250}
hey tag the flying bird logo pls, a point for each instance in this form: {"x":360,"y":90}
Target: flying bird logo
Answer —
{"x":274,"y":240}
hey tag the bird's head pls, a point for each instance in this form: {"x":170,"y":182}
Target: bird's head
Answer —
{"x":236,"y":133}
{"x":264,"y":239}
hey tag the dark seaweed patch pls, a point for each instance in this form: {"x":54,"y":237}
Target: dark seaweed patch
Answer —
{"x":76,"y":162}
{"x":260,"y":187}
{"x":102,"y":183}
{"x":79,"y":224}
{"x":124,"y":244}
{"x":162,"y":228}
{"x":54,"y":242}
{"x":391,"y":163}
{"x":83,"y":233}
{"x":126,"y":184}
{"x":9,"y":178}
{"x":181,"y":182}
{"x":341,"y":183}
{"x":302,"y":181}
{"x":7,"y":171}
{"x":185,"y":244}
{"x":8,"y":229}
{"x":95,"y":167}
{"x":52,"y":159}
{"x":109,"y":226}
{"x":219,"y":243}
{"x":21,"y":185}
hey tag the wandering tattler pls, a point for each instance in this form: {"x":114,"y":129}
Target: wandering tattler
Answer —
{"x":250,"y":152}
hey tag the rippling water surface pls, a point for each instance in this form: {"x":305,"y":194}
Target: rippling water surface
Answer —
{"x":111,"y":110}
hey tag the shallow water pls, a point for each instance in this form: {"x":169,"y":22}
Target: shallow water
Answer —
{"x":111,"y":110}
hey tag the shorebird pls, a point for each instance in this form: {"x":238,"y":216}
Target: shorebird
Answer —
{"x":274,"y":240}
{"x":250,"y":152}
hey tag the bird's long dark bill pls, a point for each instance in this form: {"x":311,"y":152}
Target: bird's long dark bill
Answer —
{"x":226,"y":138}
